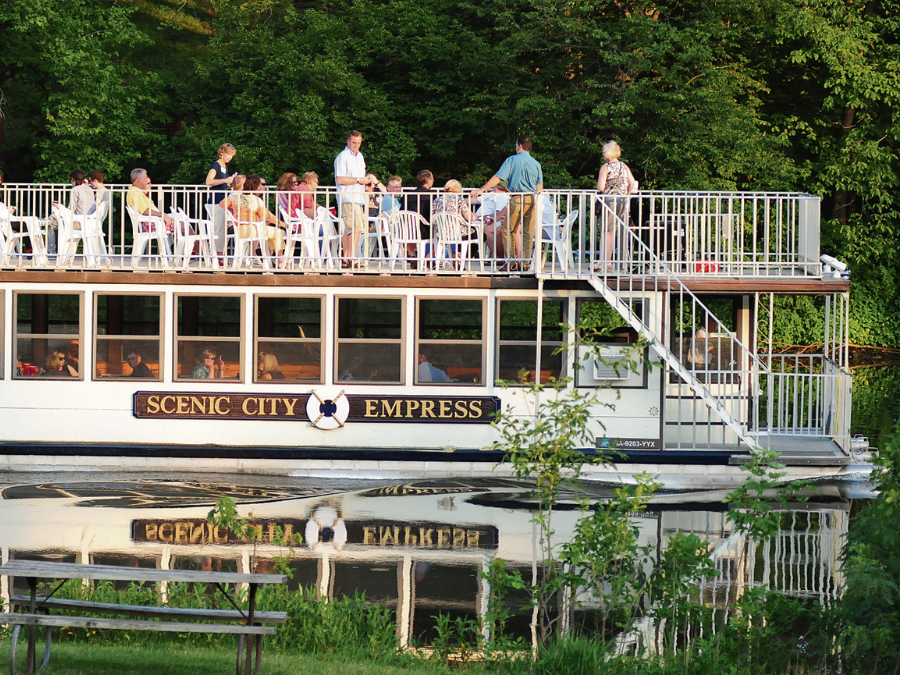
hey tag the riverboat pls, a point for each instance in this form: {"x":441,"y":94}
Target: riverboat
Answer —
{"x":394,"y":361}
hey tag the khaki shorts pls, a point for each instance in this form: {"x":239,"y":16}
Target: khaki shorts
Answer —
{"x":354,"y":216}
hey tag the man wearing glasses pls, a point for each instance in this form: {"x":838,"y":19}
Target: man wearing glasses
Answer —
{"x":138,"y":367}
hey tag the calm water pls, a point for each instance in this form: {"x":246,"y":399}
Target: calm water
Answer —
{"x":876,"y":402}
{"x":415,"y":546}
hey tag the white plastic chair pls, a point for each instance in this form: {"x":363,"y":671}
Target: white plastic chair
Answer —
{"x":147,"y":229}
{"x":449,"y":230}
{"x":291,"y":237}
{"x":245,"y":246}
{"x":558,"y":237}
{"x":12,"y":239}
{"x":92,"y":237}
{"x":68,"y":236}
{"x":404,"y":227}
{"x":191,"y":233}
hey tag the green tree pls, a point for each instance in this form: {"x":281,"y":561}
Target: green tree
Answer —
{"x":71,"y":95}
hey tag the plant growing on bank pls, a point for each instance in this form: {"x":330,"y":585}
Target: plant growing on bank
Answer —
{"x":225,"y":516}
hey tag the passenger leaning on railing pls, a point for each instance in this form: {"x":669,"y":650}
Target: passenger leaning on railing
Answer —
{"x":525,"y":176}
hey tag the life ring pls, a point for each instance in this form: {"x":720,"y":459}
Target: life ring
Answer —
{"x":328,"y":408}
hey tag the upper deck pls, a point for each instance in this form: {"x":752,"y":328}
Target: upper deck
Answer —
{"x":709,"y":241}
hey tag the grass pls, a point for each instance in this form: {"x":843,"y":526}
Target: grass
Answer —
{"x":104,"y":659}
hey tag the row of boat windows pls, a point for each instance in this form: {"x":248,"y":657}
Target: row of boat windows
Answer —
{"x":369,"y":337}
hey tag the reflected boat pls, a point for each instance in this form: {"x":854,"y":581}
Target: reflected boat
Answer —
{"x":415,"y":546}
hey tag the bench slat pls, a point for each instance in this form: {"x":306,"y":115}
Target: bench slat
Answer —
{"x":54,"y":570}
{"x":137,"y":610}
{"x":128,"y":624}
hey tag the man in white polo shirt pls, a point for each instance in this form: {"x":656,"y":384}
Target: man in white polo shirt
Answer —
{"x":350,"y":178}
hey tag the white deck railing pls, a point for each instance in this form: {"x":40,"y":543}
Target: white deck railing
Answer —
{"x":706,"y":234}
{"x":806,"y":395}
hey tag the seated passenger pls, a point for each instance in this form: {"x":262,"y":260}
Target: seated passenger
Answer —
{"x":493,"y":203}
{"x":373,"y":201}
{"x":70,"y":366}
{"x":428,"y":372}
{"x":309,"y":183}
{"x":138,"y":198}
{"x":54,"y":365}
{"x":390,"y":203}
{"x":288,"y":198}
{"x":248,"y":209}
{"x":138,"y":367}
{"x":206,"y":369}
{"x":268,"y":368}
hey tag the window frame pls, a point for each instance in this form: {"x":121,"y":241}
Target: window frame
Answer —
{"x":419,"y":342}
{"x":529,"y":343}
{"x":339,"y":341}
{"x":146,"y":338}
{"x":177,"y":337}
{"x":48,"y":336}
{"x":320,"y":340}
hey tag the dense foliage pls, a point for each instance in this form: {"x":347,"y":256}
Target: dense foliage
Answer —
{"x":774,"y":95}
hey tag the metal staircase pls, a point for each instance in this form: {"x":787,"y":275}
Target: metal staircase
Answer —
{"x":736,"y":381}
{"x":671,"y":360}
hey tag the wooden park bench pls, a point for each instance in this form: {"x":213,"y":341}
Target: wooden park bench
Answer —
{"x":245,"y":624}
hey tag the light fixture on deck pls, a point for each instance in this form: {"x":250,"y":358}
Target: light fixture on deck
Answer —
{"x":834,"y":267}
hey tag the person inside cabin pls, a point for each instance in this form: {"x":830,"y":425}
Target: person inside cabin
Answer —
{"x":248,"y":209}
{"x":429,"y":373}
{"x":138,"y":198}
{"x":268,"y":368}
{"x":210,"y":366}
{"x":309,"y":183}
{"x":390,"y":202}
{"x":71,"y":359}
{"x":350,"y":177}
{"x":701,"y":354}
{"x":54,"y":366}
{"x":524,"y":175}
{"x":138,"y":367}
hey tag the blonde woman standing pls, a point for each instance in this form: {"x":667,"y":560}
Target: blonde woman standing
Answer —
{"x":614,"y":184}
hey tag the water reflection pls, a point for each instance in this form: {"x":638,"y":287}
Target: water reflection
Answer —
{"x":417,"y":547}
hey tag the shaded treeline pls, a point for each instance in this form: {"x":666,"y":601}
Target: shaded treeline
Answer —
{"x":772,"y":95}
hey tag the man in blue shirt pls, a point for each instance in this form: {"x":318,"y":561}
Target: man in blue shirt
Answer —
{"x":523,"y":174}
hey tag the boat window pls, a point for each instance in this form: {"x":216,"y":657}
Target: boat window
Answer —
{"x":288,"y":339}
{"x":517,"y":344}
{"x":369,"y":340}
{"x":128,"y":333}
{"x":208,"y":337}
{"x":48,"y":335}
{"x":600,"y":323}
{"x":611,"y":363}
{"x":700,"y":337}
{"x":450,"y":342}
